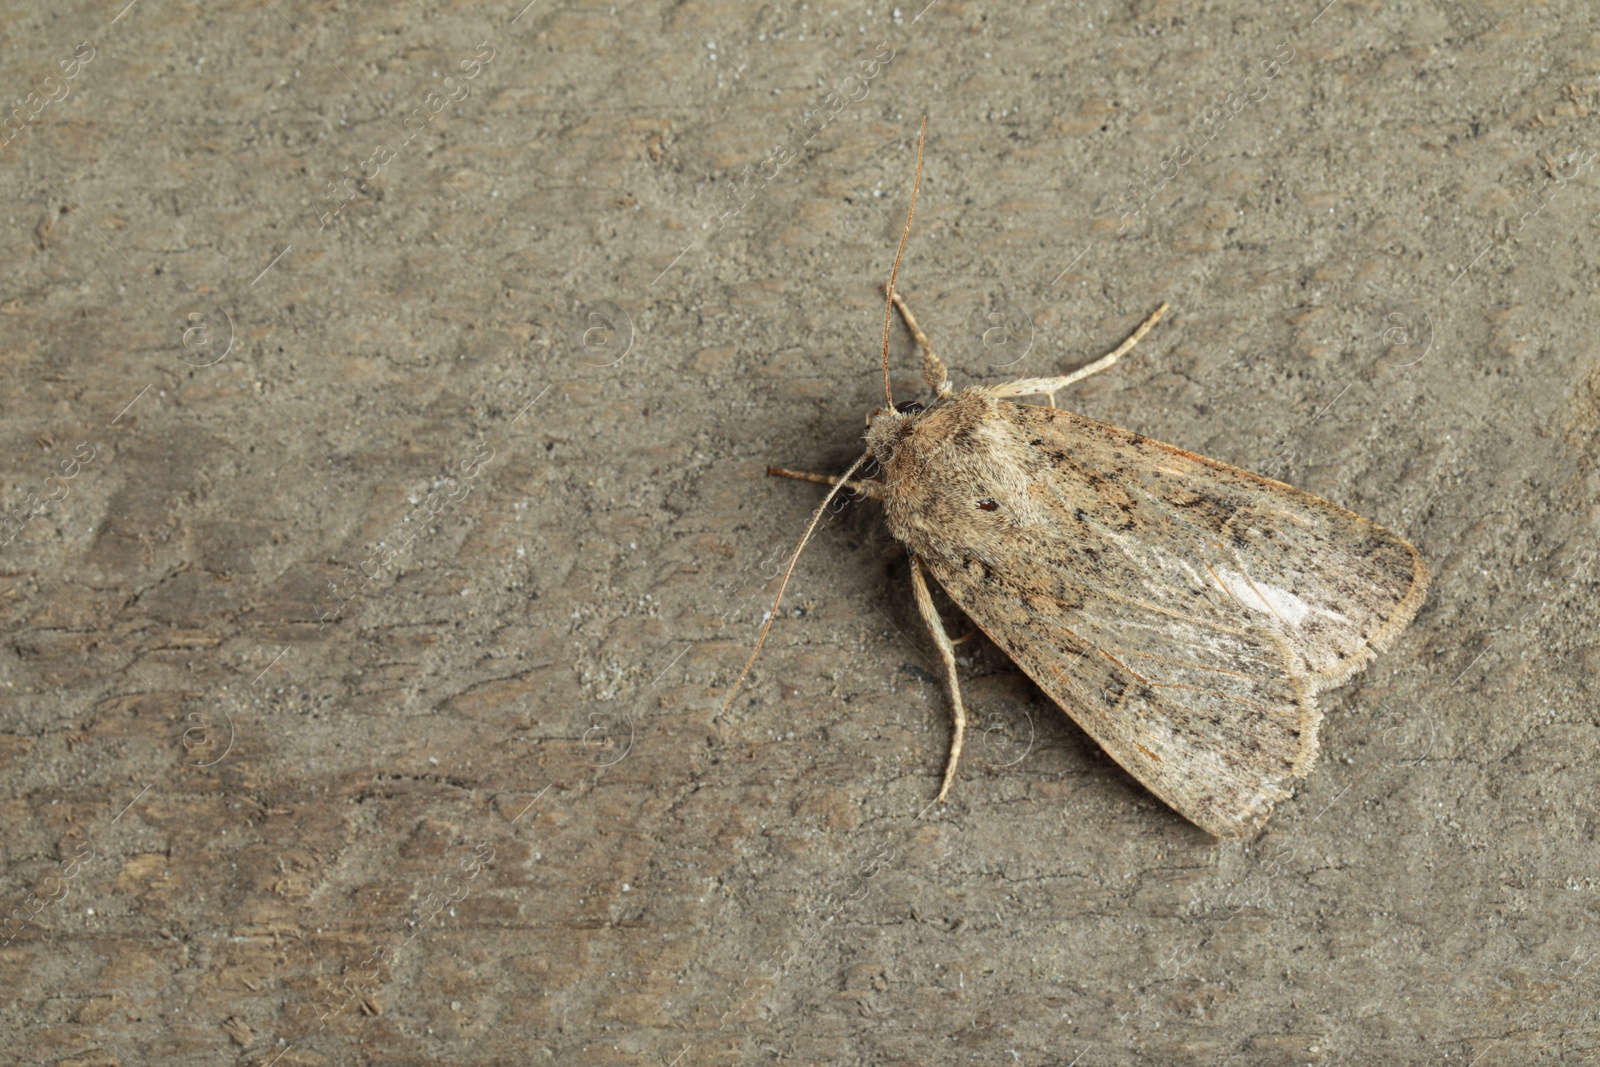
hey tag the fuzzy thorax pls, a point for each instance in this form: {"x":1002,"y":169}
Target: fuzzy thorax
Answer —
{"x":955,"y":475}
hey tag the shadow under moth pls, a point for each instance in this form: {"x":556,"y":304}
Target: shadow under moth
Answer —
{"x":1183,"y":612}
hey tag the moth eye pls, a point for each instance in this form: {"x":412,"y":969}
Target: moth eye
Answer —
{"x":910,"y":407}
{"x":988,"y":504}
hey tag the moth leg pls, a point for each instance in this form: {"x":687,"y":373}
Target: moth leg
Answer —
{"x":930,"y":615}
{"x":866,"y":489}
{"x":1049,"y":387}
{"x":933,"y":370}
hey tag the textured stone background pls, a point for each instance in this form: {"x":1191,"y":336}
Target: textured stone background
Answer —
{"x":360,"y":680}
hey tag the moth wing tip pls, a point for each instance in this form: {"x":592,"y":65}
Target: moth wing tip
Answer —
{"x":1405,"y":610}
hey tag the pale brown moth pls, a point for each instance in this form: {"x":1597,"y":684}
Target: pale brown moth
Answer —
{"x":1185,"y":613}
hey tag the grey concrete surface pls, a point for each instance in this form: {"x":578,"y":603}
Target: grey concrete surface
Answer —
{"x":388,"y":395}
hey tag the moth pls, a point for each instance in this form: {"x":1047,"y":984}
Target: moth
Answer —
{"x":1184,"y":612}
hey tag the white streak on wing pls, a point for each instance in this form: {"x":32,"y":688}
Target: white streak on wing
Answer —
{"x":1263,"y":597}
{"x":1150,"y":558}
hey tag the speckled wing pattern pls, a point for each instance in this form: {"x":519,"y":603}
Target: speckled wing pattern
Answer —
{"x":1184,"y":612}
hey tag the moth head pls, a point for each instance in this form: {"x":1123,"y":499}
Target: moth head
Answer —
{"x":887,"y":427}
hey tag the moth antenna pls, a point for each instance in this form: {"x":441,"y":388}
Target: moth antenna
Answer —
{"x":888,"y":310}
{"x":773,"y":614}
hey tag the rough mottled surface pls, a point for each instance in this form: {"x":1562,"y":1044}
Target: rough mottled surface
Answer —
{"x":385,"y":457}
